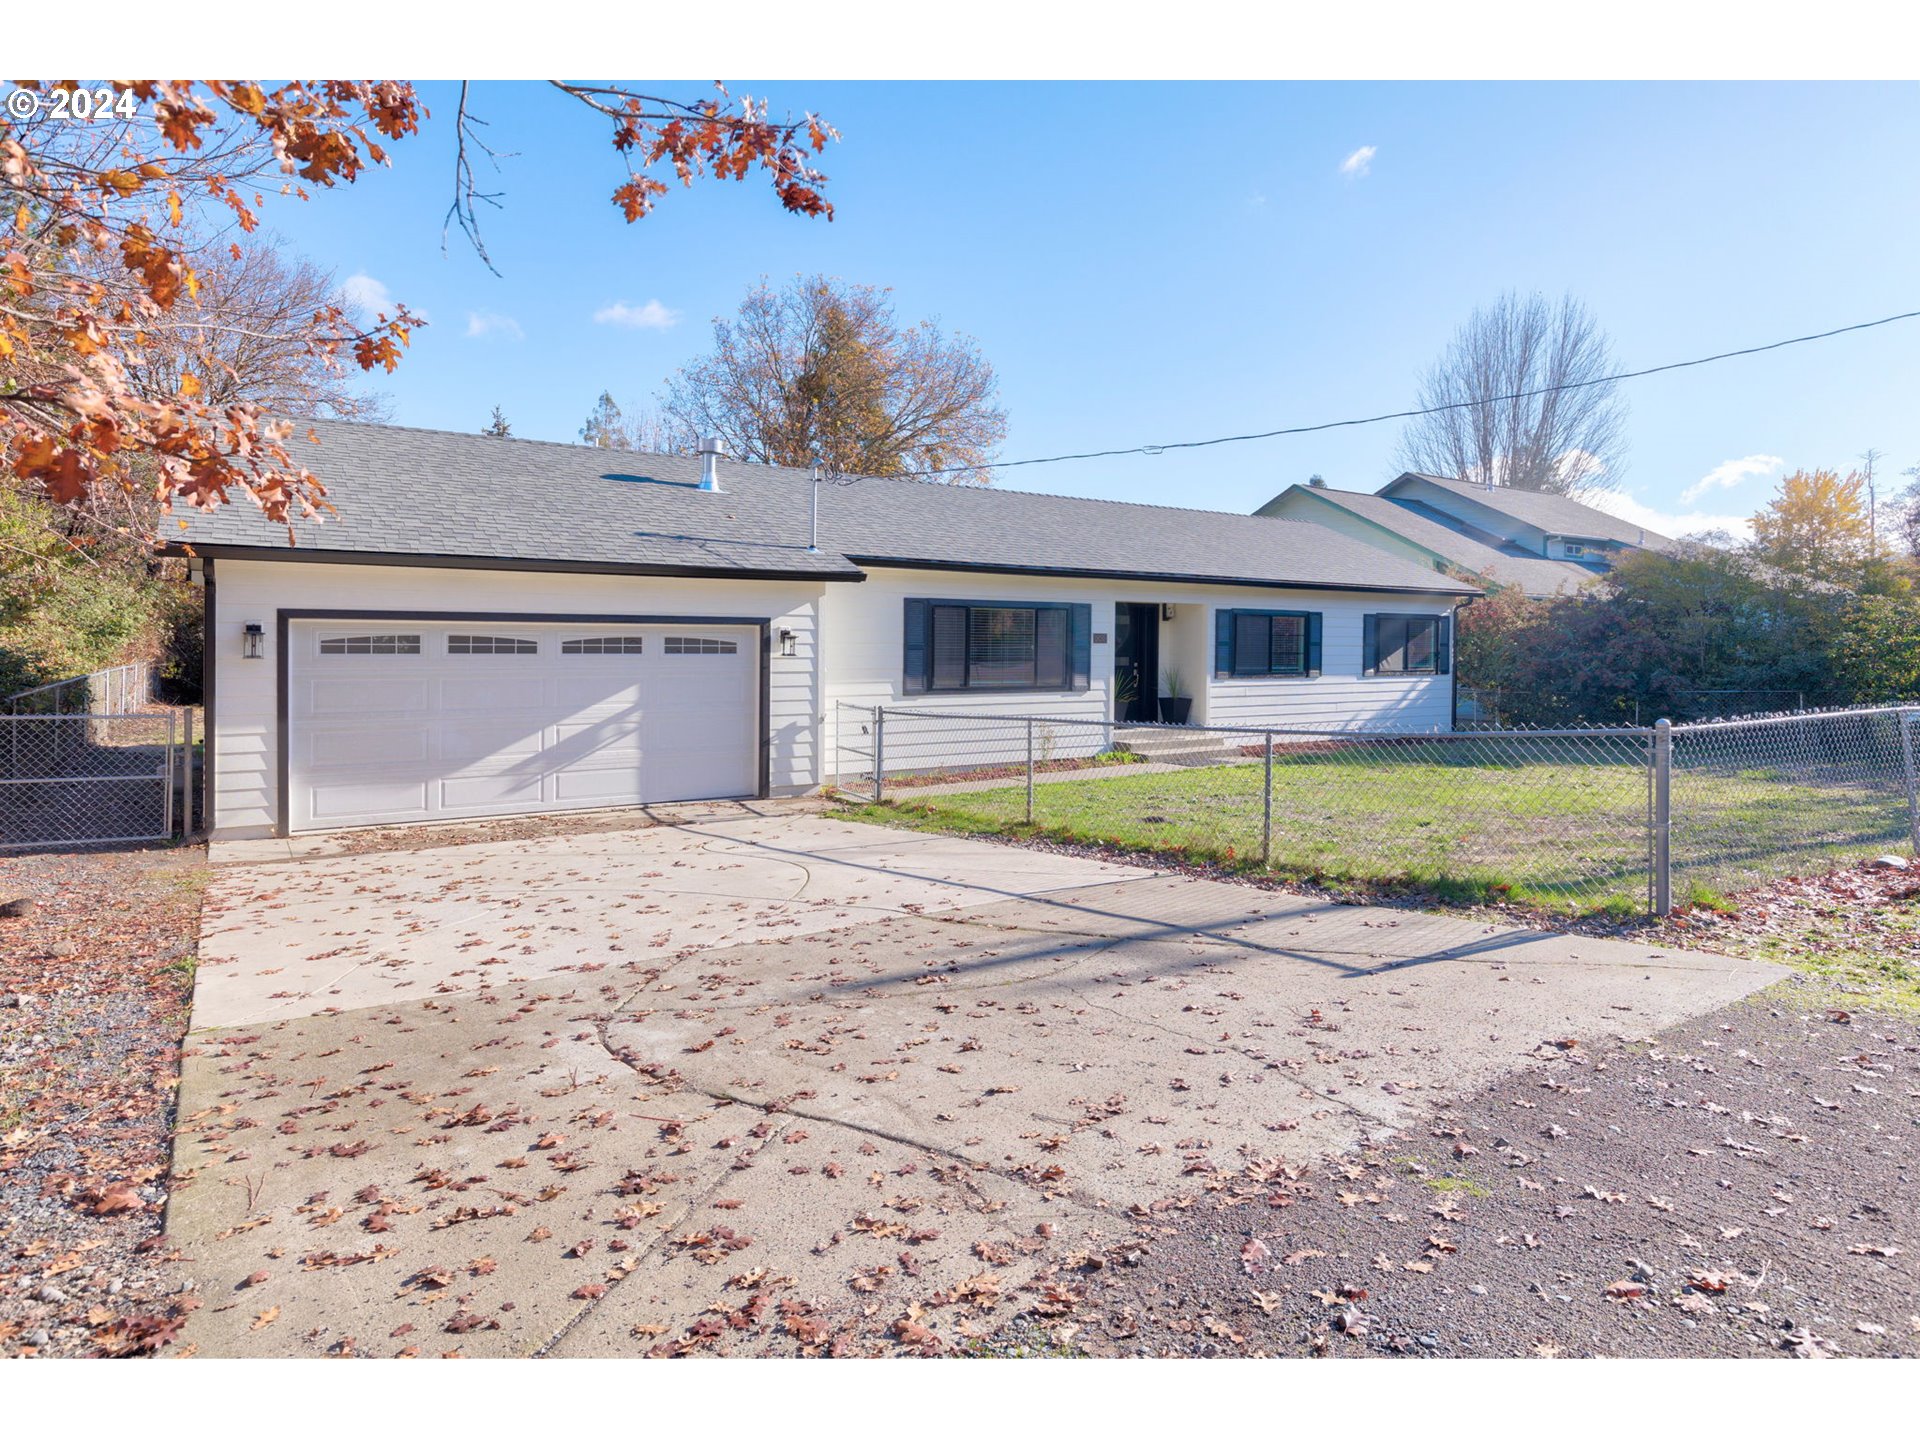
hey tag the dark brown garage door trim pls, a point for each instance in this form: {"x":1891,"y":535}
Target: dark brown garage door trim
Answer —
{"x":285,"y":618}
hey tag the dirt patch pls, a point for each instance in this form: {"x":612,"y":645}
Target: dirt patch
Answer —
{"x":95,"y":979}
{"x":1743,"y":1185}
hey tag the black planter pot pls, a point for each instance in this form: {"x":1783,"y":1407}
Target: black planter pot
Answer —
{"x":1174,"y":709}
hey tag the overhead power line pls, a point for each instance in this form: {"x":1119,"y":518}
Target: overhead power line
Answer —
{"x":1411,"y":414}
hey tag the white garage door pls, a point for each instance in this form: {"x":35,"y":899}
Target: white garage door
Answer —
{"x":390,"y":722}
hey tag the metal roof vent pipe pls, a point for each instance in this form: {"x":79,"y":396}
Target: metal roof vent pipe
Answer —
{"x":710,"y":449}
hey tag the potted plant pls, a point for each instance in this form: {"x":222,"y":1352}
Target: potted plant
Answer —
{"x":1175,"y":704}
{"x":1126,"y":689}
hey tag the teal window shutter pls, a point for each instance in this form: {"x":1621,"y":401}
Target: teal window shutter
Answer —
{"x":915,"y":660}
{"x":1222,"y":643}
{"x":1443,"y":645}
{"x":1082,"y":645}
{"x":1313,"y":643}
{"x":1370,"y":645}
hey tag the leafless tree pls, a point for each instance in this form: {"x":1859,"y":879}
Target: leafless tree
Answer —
{"x":820,"y":370}
{"x":241,"y":337}
{"x":1527,"y":400}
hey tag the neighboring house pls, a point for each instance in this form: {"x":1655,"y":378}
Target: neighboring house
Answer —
{"x":496,"y":626}
{"x":1545,"y":544}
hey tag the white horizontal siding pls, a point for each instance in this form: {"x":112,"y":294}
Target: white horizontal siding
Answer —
{"x":1340,"y":697}
{"x":864,"y":660}
{"x":245,"y":733}
{"x":865,"y":629}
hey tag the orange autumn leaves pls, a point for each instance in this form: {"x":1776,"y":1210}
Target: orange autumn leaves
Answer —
{"x":97,"y":262}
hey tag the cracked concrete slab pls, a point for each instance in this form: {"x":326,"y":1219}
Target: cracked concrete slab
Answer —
{"x":1131,"y":1036}
{"x":948,"y":1067}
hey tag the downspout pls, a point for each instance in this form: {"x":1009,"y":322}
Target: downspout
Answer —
{"x":1453,"y":651}
{"x":209,"y":789}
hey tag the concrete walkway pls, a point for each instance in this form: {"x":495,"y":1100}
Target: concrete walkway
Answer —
{"x":773,"y":1083}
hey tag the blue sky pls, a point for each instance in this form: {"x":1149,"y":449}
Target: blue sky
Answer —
{"x":1149,"y":263}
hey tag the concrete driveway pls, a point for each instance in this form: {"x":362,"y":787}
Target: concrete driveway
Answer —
{"x":761,"y":1081}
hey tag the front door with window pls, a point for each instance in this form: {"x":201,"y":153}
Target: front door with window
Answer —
{"x":1136,"y":663}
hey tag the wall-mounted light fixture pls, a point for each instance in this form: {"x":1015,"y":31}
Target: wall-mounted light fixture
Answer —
{"x":786,"y":642}
{"x":1166,"y":612}
{"x":253,"y":642}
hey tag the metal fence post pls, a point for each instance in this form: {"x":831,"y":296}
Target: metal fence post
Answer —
{"x":1030,"y":770}
{"x":879,"y":752}
{"x":1266,"y":810}
{"x":1906,"y":765}
{"x":186,"y":777}
{"x":1662,"y":817}
{"x":166,"y":815}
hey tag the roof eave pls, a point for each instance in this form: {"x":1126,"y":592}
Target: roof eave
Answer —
{"x":297,"y":555}
{"x":1443,"y":587}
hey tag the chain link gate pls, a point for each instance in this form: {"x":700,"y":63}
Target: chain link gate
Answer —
{"x":68,"y":780}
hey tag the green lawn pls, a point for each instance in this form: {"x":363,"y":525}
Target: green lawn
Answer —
{"x":1564,"y":830}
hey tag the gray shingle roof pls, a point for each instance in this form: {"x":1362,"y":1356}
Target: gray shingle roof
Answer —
{"x":1534,"y":574}
{"x":1552,"y":514}
{"x":430,"y":493}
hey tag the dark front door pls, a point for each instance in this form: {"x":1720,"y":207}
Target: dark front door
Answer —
{"x":1136,"y":663}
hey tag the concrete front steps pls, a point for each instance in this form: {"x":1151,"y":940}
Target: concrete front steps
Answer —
{"x":1181,"y":745}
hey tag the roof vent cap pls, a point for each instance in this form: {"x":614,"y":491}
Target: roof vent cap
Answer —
{"x":710,"y":449}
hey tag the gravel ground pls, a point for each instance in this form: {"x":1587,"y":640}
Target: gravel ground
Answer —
{"x":94,"y":983}
{"x":1744,"y":1185}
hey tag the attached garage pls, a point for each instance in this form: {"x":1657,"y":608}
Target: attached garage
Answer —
{"x":400,"y":719}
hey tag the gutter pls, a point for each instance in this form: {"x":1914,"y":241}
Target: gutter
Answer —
{"x":498,"y":562}
{"x":897,"y":563}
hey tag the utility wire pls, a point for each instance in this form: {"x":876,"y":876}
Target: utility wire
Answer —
{"x":1408,"y":414}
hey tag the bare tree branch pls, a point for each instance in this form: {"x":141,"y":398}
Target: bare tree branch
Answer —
{"x":1529,"y":402}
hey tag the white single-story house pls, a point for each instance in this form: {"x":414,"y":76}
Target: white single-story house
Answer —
{"x":497,"y":626}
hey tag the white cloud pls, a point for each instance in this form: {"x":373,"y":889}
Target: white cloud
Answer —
{"x":650,"y":316}
{"x":482,"y":323}
{"x":1730,"y":473}
{"x":1360,"y":162}
{"x":1676,"y":523}
{"x":363,"y":292}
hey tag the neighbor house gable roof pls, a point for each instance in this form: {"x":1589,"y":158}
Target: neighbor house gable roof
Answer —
{"x":427,"y":496}
{"x":1534,"y":574}
{"x":1549,"y":514}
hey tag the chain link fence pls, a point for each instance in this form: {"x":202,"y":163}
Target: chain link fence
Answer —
{"x":118,"y":690}
{"x":1625,"y":819}
{"x":88,"y":779}
{"x":1753,"y":800}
